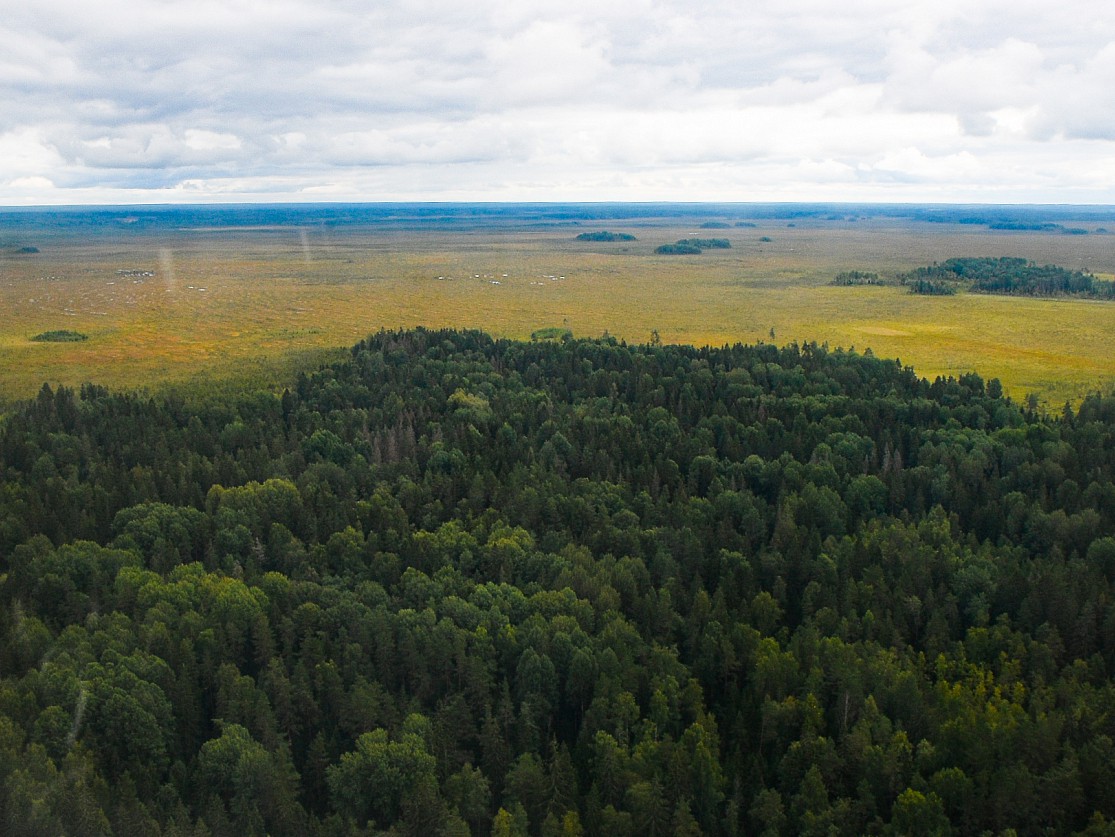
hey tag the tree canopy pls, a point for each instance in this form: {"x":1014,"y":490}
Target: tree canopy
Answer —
{"x":1006,"y":275}
{"x":452,"y":584}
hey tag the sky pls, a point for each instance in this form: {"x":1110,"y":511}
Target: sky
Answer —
{"x":200,"y":101}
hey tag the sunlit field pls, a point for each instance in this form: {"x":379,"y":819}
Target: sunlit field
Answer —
{"x":213,"y":304}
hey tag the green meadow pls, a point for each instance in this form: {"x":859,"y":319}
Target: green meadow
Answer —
{"x":200,"y":303}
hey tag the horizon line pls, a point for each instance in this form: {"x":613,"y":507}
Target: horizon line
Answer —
{"x":542,"y":203}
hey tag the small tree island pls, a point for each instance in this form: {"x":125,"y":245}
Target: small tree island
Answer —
{"x":1008,"y":276}
{"x":60,"y":336}
{"x":693,"y":246}
{"x":604,"y":235}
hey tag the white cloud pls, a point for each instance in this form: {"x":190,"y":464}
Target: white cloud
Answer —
{"x":23,"y":154}
{"x":213,"y":99}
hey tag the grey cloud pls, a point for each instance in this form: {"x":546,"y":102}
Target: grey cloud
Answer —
{"x":977,"y":124}
{"x":154,"y":147}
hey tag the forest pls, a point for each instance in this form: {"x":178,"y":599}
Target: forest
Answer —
{"x":456,"y":585}
{"x":1005,"y":275}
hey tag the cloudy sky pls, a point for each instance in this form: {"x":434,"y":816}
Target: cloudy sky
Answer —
{"x":877,"y":100}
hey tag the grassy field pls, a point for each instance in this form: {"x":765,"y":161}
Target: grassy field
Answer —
{"x":223,"y":304}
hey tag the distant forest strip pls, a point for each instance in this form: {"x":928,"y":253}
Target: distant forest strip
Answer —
{"x":1006,"y":275}
{"x":605,"y":235}
{"x":451,"y":585}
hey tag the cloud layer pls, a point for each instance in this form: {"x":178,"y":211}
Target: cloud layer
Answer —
{"x":151,"y":100}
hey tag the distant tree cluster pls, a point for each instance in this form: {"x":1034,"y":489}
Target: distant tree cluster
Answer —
{"x":60,"y":336}
{"x":678,"y":249}
{"x":1006,"y":275}
{"x":1034,"y":226}
{"x":604,"y":235}
{"x":1014,"y":224}
{"x":1037,"y":226}
{"x":855,"y":277}
{"x":716,"y":225}
{"x":707,"y":243}
{"x":693,"y":246}
{"x":452,"y":585}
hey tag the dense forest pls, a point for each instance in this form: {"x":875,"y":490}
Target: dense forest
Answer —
{"x":1006,"y":275}
{"x":456,"y":585}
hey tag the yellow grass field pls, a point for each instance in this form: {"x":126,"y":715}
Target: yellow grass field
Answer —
{"x":225,"y":305}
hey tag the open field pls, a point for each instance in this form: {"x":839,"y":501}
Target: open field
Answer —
{"x":180,"y":298}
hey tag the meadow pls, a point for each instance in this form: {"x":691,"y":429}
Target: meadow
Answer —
{"x":207,"y":299}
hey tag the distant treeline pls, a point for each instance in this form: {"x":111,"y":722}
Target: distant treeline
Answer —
{"x":1026,"y":226}
{"x":1005,"y":275}
{"x":31,"y":225}
{"x":604,"y":235}
{"x":693,"y":246}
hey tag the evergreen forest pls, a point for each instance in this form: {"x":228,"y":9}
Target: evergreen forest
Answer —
{"x":1011,"y":276}
{"x":458,"y":585}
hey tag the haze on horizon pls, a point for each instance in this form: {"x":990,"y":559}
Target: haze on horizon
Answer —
{"x":140,"y":101}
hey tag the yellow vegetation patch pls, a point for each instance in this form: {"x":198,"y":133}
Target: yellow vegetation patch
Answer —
{"x":883,"y":331}
{"x":250,"y":305}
